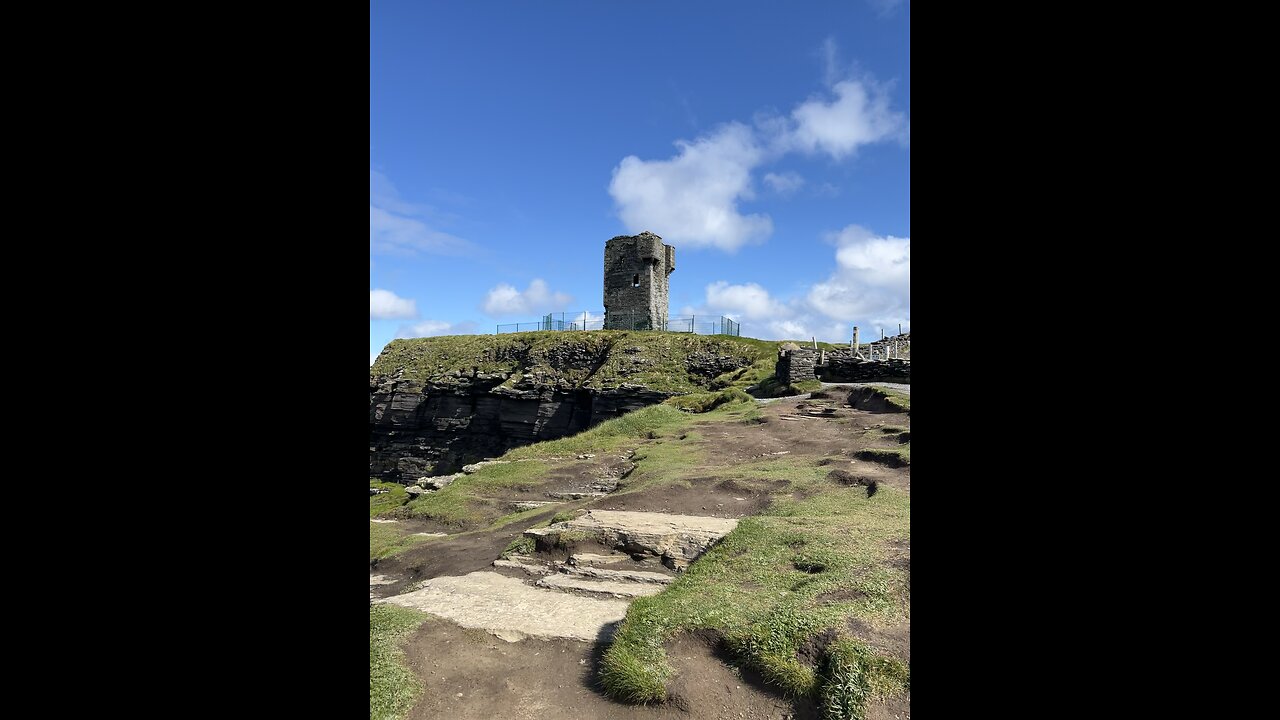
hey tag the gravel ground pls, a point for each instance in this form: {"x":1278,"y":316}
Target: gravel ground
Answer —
{"x":900,"y":387}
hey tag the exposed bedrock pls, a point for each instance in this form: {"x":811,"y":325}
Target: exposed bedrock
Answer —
{"x":418,"y":429}
{"x":436,"y":404}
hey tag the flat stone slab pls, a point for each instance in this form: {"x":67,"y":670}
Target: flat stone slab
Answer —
{"x":438,"y":482}
{"x":603,"y":587}
{"x":677,"y":539}
{"x":635,"y":576}
{"x":531,"y":504}
{"x":575,"y":495}
{"x":597,"y":559}
{"x":380,"y":520}
{"x":475,"y":467}
{"x":381,"y":580}
{"x":513,"y":610}
{"x":533,"y":568}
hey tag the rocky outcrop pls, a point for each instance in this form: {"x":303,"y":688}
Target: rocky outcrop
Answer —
{"x":676,"y":539}
{"x":437,"y":404}
{"x":422,"y":429}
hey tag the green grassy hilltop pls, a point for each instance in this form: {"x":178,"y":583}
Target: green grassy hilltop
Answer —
{"x":600,"y":359}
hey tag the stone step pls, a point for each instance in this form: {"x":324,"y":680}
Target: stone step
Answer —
{"x":635,"y":576}
{"x":531,"y":504}
{"x":677,"y":539}
{"x":527,"y":564}
{"x":596,"y":559}
{"x":575,"y":495}
{"x":513,"y":610}
{"x":616,"y":588}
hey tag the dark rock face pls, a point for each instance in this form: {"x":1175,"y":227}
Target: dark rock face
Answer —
{"x":434,"y":428}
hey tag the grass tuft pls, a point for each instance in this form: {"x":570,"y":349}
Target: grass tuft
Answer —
{"x":635,"y":671}
{"x":563,"y":516}
{"x":462,"y":504}
{"x":392,"y":687}
{"x":893,"y":457}
{"x":851,"y":675}
{"x":520,"y":546}
{"x":388,"y":501}
{"x":645,"y":423}
{"x":707,"y":401}
{"x":895,"y":399}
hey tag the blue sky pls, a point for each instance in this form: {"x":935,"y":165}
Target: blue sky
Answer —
{"x":769,"y":143}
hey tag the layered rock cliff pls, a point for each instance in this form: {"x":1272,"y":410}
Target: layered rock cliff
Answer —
{"x":436,"y":404}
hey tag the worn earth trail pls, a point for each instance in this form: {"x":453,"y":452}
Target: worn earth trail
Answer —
{"x":520,"y":636}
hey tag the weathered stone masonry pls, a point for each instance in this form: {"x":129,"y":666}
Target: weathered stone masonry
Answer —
{"x":636,"y":291}
{"x":797,"y":364}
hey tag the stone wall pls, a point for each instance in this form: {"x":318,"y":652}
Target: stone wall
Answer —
{"x":795,"y":364}
{"x":842,"y":366}
{"x":632,"y":259}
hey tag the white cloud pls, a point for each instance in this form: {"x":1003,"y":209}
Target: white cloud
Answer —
{"x":872,"y":281}
{"x":432,"y":328}
{"x":748,"y":301}
{"x":784,"y":184}
{"x":858,"y":115}
{"x":537,"y":298}
{"x":884,"y":8}
{"x":396,"y":227}
{"x":870,"y":287}
{"x":693,"y":197}
{"x":372,"y":358}
{"x":386,"y":305}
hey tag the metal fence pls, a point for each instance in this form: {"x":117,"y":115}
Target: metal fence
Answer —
{"x":897,"y":347}
{"x":886,"y":350}
{"x":700,"y":324}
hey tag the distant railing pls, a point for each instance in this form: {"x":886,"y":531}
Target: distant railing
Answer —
{"x":700,"y":324}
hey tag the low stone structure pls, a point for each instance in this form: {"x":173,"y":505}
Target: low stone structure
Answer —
{"x":795,"y":364}
{"x":843,"y":366}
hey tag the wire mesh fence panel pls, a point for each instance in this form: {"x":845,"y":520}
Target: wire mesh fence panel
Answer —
{"x":626,"y":320}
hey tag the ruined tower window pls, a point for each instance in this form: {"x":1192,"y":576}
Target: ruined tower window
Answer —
{"x":635,"y":280}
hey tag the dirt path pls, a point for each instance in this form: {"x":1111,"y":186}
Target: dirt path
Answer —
{"x":542,"y":667}
{"x":472,"y":675}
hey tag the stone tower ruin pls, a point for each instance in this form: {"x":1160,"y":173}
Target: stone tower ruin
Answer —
{"x":636,"y":268}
